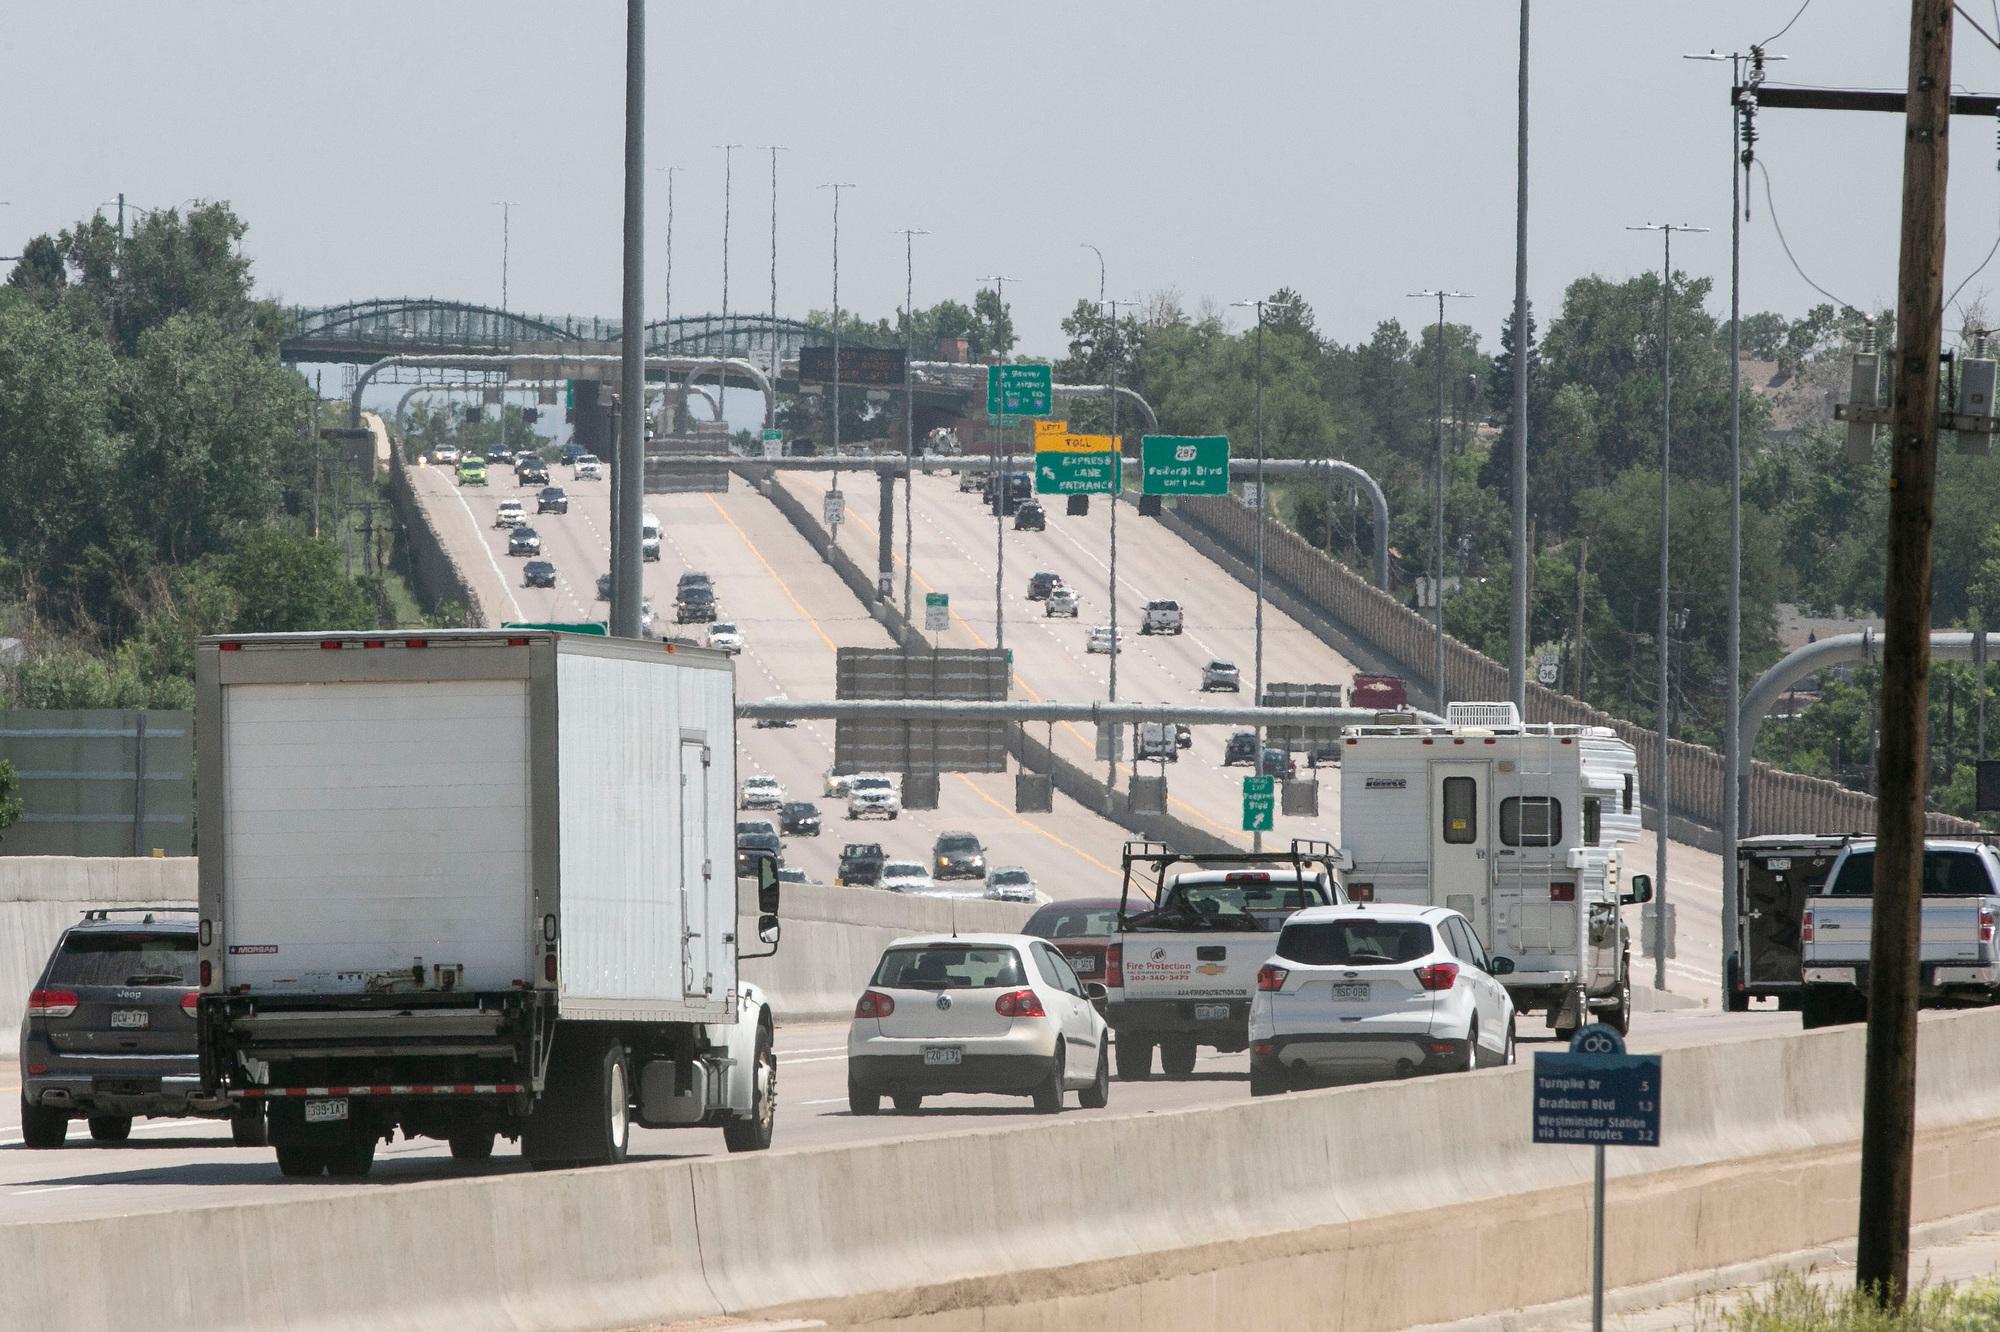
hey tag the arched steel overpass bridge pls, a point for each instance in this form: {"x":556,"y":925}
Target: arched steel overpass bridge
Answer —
{"x":363,"y":332}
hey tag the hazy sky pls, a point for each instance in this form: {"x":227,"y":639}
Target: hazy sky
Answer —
{"x":1355,"y":151}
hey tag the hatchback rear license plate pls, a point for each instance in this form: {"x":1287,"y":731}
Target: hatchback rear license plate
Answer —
{"x":326,"y":1112}
{"x":1351,"y":993}
{"x":1211,"y":1012}
{"x":943,"y":1054}
{"x":131,"y":1019}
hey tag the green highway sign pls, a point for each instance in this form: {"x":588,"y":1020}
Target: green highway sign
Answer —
{"x":1258,"y":804}
{"x":777,"y":435}
{"x":1067,"y":464}
{"x":1184,"y":465}
{"x":1019,"y":390}
{"x":578,"y":627}
{"x":937,"y":612}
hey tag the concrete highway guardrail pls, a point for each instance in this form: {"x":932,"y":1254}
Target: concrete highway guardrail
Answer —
{"x":1358,"y":1208}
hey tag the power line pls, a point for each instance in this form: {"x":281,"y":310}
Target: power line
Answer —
{"x":1975,"y":22}
{"x":1772,"y":207}
{"x":1788,"y":26}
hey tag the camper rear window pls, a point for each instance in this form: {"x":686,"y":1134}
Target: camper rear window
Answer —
{"x":1461,"y":810}
{"x":1531,"y":821}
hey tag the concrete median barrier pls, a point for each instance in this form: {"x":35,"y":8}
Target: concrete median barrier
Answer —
{"x":1359,"y":1208}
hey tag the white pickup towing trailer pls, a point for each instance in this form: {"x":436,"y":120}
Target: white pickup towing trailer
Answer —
{"x":1516,"y":827}
{"x":470,"y":884}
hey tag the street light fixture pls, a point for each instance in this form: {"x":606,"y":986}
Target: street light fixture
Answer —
{"x":1086,"y":245}
{"x":1664,"y":732}
{"x":1437,"y":488}
{"x":506,"y":207}
{"x":836,"y":186}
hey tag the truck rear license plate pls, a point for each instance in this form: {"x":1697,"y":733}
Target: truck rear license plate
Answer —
{"x":1351,"y":993}
{"x":1083,"y":965}
{"x":1211,"y":1012}
{"x":131,"y":1019}
{"x":943,"y":1054}
{"x":326,"y":1112}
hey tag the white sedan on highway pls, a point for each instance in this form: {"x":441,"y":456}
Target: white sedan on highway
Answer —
{"x":906,"y":876}
{"x":725,"y":637}
{"x":760,"y":793}
{"x":1102,"y":639}
{"x":1011,"y":883}
{"x":999,"y":1014}
{"x":1373,"y":990}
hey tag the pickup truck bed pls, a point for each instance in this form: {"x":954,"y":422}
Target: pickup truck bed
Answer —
{"x":1959,"y":958}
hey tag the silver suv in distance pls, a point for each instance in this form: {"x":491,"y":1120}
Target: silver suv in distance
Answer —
{"x":109,"y":1034}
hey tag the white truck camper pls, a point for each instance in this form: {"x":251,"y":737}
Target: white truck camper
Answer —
{"x":1518,"y":827}
{"x":470,"y":884}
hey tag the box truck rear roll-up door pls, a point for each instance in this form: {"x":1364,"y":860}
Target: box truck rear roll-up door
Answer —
{"x":370,"y":825}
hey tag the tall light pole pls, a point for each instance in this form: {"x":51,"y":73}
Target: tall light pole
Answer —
{"x":836,"y":186}
{"x":999,"y":473}
{"x":771,"y":403}
{"x":1665,"y":734}
{"x":506,"y":207}
{"x":1086,"y":245}
{"x":728,"y":184}
{"x":667,"y":302}
{"x":1732,"y":733}
{"x":909,"y":235}
{"x":1437,"y":492}
{"x":1517,"y":626}
{"x":1117,"y":351}
{"x":1263,"y":503}
{"x":628,"y":476}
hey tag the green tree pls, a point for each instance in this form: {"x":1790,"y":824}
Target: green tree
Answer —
{"x":287,"y":582}
{"x":61,"y":458}
{"x":10,"y":797}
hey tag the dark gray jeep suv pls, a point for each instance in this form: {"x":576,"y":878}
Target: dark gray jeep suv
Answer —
{"x":109,"y":1034}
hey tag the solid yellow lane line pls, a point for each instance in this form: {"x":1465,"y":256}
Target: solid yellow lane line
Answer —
{"x":1035,"y":828}
{"x":783,"y":586}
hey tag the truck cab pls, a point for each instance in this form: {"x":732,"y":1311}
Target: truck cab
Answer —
{"x":1192,"y":930}
{"x":1516,"y":827}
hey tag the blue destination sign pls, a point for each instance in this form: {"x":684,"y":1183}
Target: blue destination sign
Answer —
{"x":1607,"y":1100}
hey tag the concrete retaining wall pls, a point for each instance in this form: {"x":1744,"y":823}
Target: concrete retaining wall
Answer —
{"x":834,"y":936}
{"x":439,"y":578}
{"x":1335,"y":600}
{"x":41,"y":896}
{"x":1354,"y":1209}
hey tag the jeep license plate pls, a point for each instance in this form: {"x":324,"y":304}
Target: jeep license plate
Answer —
{"x":326,"y":1112}
{"x":943,"y":1054}
{"x":1211,"y":1012}
{"x":131,"y":1019}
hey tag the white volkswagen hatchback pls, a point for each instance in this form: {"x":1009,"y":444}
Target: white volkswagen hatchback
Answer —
{"x":997,"y":1014}
{"x":1371,"y":990}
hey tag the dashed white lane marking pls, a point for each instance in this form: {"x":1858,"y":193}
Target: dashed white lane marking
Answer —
{"x":506,"y":586}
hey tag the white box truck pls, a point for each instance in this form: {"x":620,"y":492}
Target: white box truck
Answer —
{"x":474,"y":883}
{"x":1517,"y":827}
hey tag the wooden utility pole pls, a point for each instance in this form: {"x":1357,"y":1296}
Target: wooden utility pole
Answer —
{"x":1888,"y":1127}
